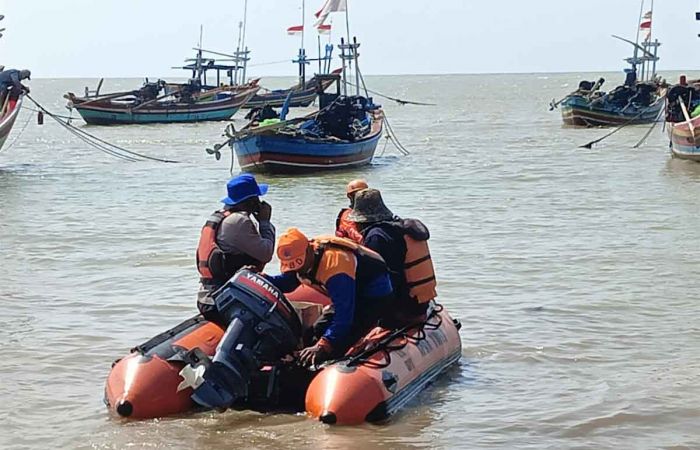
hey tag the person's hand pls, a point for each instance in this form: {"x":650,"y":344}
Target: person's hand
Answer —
{"x":25,"y":89}
{"x":315,"y":354}
{"x":264,"y":212}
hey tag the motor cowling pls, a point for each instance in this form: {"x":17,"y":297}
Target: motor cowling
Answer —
{"x":263,"y":328}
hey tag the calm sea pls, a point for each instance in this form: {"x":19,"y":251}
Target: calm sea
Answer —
{"x":575,"y":272}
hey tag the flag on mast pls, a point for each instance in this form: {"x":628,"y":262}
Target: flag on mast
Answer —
{"x":329,"y":7}
{"x":295,"y":30}
{"x":645,"y":26}
{"x":324,"y":29}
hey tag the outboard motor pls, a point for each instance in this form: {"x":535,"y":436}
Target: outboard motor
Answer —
{"x":263,"y":328}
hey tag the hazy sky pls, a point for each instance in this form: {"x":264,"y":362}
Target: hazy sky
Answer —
{"x":120,"y":38}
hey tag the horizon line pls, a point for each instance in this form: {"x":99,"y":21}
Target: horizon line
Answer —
{"x":68,"y":77}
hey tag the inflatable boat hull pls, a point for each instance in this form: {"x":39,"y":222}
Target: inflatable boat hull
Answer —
{"x":145,"y":384}
{"x":350,"y":393}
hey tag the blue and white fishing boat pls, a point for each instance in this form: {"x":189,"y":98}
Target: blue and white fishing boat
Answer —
{"x":162,"y":102}
{"x":343,"y":133}
{"x":134,"y":108}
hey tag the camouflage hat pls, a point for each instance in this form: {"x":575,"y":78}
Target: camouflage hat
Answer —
{"x":369,"y":207}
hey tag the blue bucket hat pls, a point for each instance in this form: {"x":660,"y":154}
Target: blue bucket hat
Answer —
{"x":242,"y":188}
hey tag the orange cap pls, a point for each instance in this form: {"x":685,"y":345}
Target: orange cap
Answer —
{"x":291,"y":250}
{"x":356,"y":185}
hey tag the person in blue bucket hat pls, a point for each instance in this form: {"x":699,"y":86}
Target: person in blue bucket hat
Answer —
{"x":240,"y":234}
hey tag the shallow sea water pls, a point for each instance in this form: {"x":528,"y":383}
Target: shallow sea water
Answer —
{"x":575,"y":273}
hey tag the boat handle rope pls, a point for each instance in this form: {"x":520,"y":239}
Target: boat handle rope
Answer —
{"x":385,"y":346}
{"x":590,"y":145}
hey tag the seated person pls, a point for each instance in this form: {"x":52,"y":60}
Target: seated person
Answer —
{"x":403,"y":243}
{"x":355,"y":278}
{"x":346,"y":228}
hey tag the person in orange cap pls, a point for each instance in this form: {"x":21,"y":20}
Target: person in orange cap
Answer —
{"x":354,"y":277}
{"x":344,"y":227}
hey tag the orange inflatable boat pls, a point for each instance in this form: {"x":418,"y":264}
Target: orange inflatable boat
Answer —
{"x":392,"y":368}
{"x":378,"y":376}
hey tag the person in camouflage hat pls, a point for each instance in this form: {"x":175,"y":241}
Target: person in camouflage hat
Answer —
{"x":369,"y":207}
{"x":403,"y":245}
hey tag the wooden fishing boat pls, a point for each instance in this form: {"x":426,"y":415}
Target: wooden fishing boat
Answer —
{"x":133,"y":108}
{"x":8,"y":111}
{"x":8,"y":116}
{"x":638,"y":100}
{"x":302,"y":95}
{"x":582,"y":110}
{"x":683,"y":117}
{"x":163,"y":102}
{"x":683,"y":120}
{"x":342,"y":134}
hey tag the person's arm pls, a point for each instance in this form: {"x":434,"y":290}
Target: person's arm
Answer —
{"x":286,"y":282}
{"x":378,"y":242}
{"x":15,"y":81}
{"x":242,"y":236}
{"x":341,"y":290}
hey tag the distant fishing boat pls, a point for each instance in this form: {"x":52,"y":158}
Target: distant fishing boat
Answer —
{"x":163,"y":102}
{"x":8,"y":116}
{"x":303,"y":94}
{"x":683,"y":117}
{"x":146,"y":106}
{"x":342,"y":134}
{"x":639,"y":100}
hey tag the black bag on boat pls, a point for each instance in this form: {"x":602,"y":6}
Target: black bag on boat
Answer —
{"x":341,"y":118}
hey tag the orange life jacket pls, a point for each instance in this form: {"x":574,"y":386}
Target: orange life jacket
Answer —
{"x":323,"y":243}
{"x":212,"y":263}
{"x":418,"y":264}
{"x":346,"y":228}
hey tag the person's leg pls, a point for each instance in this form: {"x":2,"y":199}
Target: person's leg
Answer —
{"x":207,"y":306}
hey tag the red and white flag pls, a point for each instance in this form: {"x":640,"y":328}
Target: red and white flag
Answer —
{"x":329,"y":7}
{"x":645,"y":26}
{"x":295,"y":30}
{"x":324,"y":29}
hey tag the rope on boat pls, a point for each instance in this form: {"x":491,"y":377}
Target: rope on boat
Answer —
{"x":97,"y":143}
{"x":595,"y":141}
{"x":393,"y":99}
{"x":653,"y":125}
{"x":385,"y":346}
{"x":57,"y":115}
{"x":21,"y":131}
{"x":393,"y":138}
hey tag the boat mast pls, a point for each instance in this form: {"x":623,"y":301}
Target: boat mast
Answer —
{"x":350,"y":56}
{"x":635,"y":57}
{"x":654,"y":44}
{"x":243,"y":45}
{"x":198,"y":74}
{"x":302,"y":51}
